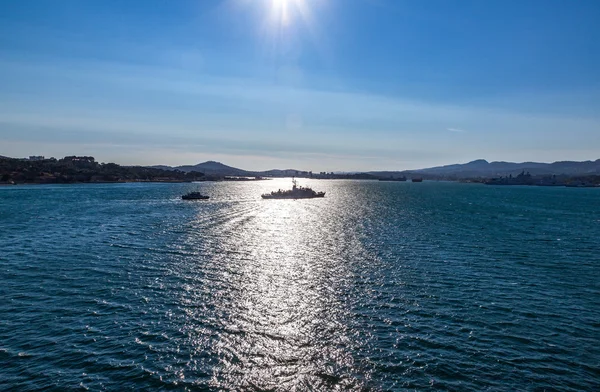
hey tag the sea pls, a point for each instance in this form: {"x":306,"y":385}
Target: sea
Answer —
{"x":379,"y":286}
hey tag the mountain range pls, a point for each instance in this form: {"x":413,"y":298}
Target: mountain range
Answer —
{"x":483,"y":168}
{"x":479,"y":168}
{"x":212,"y":168}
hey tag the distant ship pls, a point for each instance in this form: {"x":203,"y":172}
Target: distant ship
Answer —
{"x":417,"y":179}
{"x":522,"y":179}
{"x":297,"y":192}
{"x":194,"y":196}
{"x":393,"y":179}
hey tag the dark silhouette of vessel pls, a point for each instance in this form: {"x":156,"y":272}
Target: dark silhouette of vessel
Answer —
{"x":521,"y":179}
{"x":297,"y":192}
{"x":194,"y":196}
{"x":417,"y":179}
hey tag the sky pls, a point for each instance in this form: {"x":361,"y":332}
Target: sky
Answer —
{"x":321,"y":85}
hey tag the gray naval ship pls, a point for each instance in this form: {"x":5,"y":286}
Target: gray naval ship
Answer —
{"x":194,"y":196}
{"x":297,"y":192}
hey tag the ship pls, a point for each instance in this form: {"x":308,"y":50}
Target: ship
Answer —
{"x":194,"y":196}
{"x":297,"y":192}
{"x":393,"y":179}
{"x":521,"y":179}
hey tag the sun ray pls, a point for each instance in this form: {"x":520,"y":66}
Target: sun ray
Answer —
{"x":281,"y":10}
{"x":287,"y":23}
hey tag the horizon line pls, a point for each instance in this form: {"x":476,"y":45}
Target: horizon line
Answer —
{"x":326,"y":171}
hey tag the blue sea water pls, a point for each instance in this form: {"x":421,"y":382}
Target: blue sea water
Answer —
{"x":378,"y":286}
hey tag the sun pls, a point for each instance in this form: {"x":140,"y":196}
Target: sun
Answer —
{"x":282,"y":10}
{"x":284,"y":23}
{"x":283,"y":14}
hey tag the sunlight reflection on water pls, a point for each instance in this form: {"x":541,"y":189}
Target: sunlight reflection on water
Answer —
{"x":377,"y":286}
{"x":284,"y":275}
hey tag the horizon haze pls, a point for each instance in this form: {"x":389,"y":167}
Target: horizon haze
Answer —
{"x":321,"y":85}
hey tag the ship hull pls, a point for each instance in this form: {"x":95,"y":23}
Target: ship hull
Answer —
{"x":293,"y":196}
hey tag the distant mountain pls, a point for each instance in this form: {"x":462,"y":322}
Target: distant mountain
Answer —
{"x":210,"y":168}
{"x":482,"y":168}
{"x":162,"y":167}
{"x":213,"y":168}
{"x":479,"y":168}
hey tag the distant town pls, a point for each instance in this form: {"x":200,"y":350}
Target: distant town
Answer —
{"x":73,"y":169}
{"x":85,"y":169}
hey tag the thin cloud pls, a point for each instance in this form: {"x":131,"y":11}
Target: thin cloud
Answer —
{"x":456,"y":130}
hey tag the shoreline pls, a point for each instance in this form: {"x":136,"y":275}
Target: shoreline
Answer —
{"x":133,"y":181}
{"x":99,"y":182}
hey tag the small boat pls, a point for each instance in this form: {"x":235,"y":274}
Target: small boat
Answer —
{"x":297,"y":192}
{"x":194,"y":196}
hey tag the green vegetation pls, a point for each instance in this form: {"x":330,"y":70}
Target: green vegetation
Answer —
{"x":74,"y":169}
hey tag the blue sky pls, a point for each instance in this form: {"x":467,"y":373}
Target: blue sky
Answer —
{"x":308,"y":84}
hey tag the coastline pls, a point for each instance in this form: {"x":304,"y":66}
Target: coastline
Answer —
{"x":100,"y":182}
{"x":174,"y":181}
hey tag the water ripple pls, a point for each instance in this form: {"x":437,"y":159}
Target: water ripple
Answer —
{"x":378,"y":286}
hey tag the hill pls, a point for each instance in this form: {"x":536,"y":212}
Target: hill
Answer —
{"x":481,"y":168}
{"x":73,"y":169}
{"x":218,"y":169}
{"x":210,"y":168}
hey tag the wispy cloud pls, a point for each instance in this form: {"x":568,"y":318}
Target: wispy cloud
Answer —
{"x":167,"y":112}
